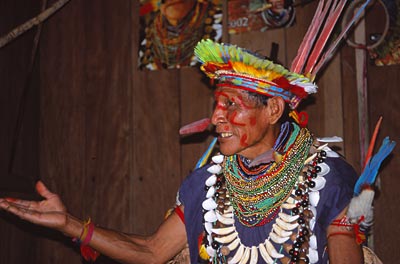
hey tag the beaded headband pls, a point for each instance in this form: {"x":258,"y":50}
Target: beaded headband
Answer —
{"x":236,"y":67}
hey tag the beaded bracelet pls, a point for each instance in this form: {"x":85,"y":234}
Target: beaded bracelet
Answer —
{"x":88,"y":253}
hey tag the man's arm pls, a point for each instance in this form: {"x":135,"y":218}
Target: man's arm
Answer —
{"x":342,"y":245}
{"x":163,"y":245}
{"x":166,"y":242}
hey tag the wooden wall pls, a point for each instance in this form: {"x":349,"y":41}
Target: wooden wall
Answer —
{"x":109,"y":142}
{"x":18,"y":129}
{"x":108,"y":133}
{"x":384,"y":87}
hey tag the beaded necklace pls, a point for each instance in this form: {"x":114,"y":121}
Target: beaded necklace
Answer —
{"x":294,"y":214}
{"x":256,"y":199}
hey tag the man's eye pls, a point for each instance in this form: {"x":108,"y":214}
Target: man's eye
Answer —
{"x":230,"y":103}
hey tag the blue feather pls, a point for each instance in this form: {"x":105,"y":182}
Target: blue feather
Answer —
{"x":370,"y":172}
{"x":202,"y":161}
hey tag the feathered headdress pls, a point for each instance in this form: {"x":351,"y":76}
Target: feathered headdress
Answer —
{"x":237,"y":67}
{"x":240,"y":68}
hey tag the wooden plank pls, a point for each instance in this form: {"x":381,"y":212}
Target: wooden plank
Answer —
{"x":156,"y":149}
{"x":107,"y":112}
{"x":17,"y":178}
{"x":196,"y":103}
{"x":85,"y":115}
{"x":261,"y":42}
{"x":350,"y":108}
{"x":331,"y":103}
{"x":18,"y":113}
{"x":62,"y":135}
{"x":384,"y":101}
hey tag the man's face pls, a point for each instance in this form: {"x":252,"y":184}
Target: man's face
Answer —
{"x":241,"y":123}
{"x":176,"y":10}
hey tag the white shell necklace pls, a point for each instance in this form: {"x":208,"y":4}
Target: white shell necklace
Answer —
{"x":222,"y":237}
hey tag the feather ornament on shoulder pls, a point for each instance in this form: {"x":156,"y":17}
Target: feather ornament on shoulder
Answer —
{"x":360,"y":206}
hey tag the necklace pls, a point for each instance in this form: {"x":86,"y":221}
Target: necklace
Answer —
{"x":293,"y":214}
{"x":256,"y":199}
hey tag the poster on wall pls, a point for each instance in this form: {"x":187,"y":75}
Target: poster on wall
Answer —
{"x":259,"y":15}
{"x":170,"y":29}
{"x":388,"y":52}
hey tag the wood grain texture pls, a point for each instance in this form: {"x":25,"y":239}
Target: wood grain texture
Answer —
{"x":261,"y":43}
{"x":19,"y":145}
{"x":85,"y":73}
{"x":351,"y":139}
{"x":156,"y":150}
{"x":384,"y":101}
{"x":18,"y":114}
{"x":196,"y":103}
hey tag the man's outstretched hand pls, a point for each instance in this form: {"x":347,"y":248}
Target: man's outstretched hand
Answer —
{"x":49,"y":212}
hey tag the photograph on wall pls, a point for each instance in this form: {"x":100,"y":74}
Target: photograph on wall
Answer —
{"x":259,"y":15}
{"x":388,"y":52}
{"x":170,"y":29}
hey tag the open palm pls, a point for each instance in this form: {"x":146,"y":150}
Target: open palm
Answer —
{"x":49,"y":212}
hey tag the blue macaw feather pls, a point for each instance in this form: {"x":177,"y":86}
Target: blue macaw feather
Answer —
{"x":370,"y":172}
{"x":202,"y":161}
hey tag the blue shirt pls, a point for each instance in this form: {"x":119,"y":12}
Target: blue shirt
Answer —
{"x":334,"y":197}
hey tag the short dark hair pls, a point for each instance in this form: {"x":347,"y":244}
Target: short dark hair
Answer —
{"x":263,"y":100}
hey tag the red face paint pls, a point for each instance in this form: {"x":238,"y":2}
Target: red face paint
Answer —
{"x":253,"y":121}
{"x":220,"y":106}
{"x":239,"y":115}
{"x":243,"y":141}
{"x":232,"y":120}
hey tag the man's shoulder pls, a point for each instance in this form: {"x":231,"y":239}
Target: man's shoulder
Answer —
{"x":340,"y":171}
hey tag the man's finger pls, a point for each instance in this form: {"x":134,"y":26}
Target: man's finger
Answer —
{"x":43,"y":191}
{"x":22,"y":203}
{"x":22,"y":212}
{"x":4,"y":204}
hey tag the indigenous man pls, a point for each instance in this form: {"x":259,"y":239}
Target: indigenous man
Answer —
{"x":272,"y":194}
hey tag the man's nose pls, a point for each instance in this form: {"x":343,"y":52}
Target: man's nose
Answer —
{"x":218,"y":116}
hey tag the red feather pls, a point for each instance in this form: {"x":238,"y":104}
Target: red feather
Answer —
{"x":372,"y":142}
{"x":195,"y":127}
{"x":294,"y":89}
{"x":89,"y":254}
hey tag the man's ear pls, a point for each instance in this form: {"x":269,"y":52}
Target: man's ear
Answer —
{"x":276,"y":107}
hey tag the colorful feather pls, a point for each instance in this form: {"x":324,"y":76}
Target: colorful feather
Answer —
{"x":368,"y":176}
{"x":372,"y":142}
{"x":334,"y":13}
{"x":308,"y":40}
{"x":195,"y":127}
{"x":331,"y":50}
{"x":203,"y":160}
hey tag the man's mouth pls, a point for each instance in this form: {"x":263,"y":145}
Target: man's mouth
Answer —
{"x":225,"y":134}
